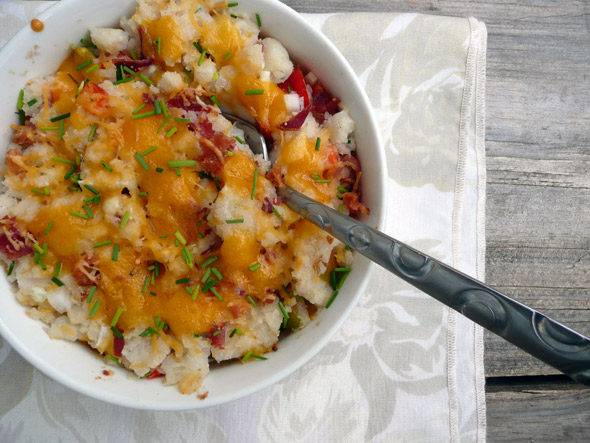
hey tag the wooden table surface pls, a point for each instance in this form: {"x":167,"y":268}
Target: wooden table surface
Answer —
{"x":538,"y":193}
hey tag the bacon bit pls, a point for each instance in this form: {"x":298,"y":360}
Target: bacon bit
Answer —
{"x":107,"y":372}
{"x":37,"y":25}
{"x":94,"y":99}
{"x":217,"y":241}
{"x":154,"y":374}
{"x":16,"y":163}
{"x":13,"y":244}
{"x":267,"y":206}
{"x":187,"y":100}
{"x":85,"y":271}
{"x":212,"y":158}
{"x":203,"y":396}
{"x":218,"y":340}
{"x":238,"y":309}
{"x":351,"y":201}
{"x":26,"y":135}
{"x":205,"y":128}
{"x":275,"y":347}
{"x":118,"y":345}
{"x":275,"y":175}
{"x":330,"y":239}
{"x":297,"y":121}
{"x":322,"y":102}
{"x":347,"y":170}
{"x":147,"y":99}
{"x":135,"y":65}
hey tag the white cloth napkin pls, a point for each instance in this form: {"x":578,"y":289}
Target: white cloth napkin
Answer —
{"x":403,"y":367}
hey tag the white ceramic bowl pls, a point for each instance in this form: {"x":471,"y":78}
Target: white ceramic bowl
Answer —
{"x":30,"y":54}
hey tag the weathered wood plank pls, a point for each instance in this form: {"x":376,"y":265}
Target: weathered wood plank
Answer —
{"x":538,"y":412}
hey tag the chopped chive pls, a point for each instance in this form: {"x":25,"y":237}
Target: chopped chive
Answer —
{"x":333,"y":279}
{"x":334,"y":294}
{"x":116,"y":317}
{"x":91,"y":294}
{"x":231,"y":5}
{"x":133,"y":54}
{"x":254,"y":267}
{"x":129,"y":71}
{"x":142,"y":161}
{"x":78,"y":159}
{"x":235,"y":220}
{"x":117,"y":334}
{"x":202,"y":58}
{"x":48,"y":228}
{"x":232,"y":333}
{"x":216,"y":333}
{"x":229,"y":153}
{"x":139,"y":108}
{"x":77,"y":214}
{"x":171,"y":132}
{"x":102,"y":243}
{"x":158,"y":42}
{"x":146,"y":283}
{"x":258,"y":21}
{"x":63,"y":160}
{"x":340,"y":207}
{"x":83,"y":65}
{"x":91,"y":189}
{"x":145,"y":79}
{"x":124,"y":220}
{"x":196,"y":45}
{"x":57,"y":281}
{"x":216,"y":272}
{"x":200,"y":234}
{"x":115,"y":256}
{"x":147,"y":151}
{"x":11,"y":268}
{"x":210,"y":283}
{"x":246,"y":356}
{"x":182,"y":120}
{"x":59,"y":117}
{"x":206,"y":276}
{"x":106,"y":166}
{"x":159,"y":170}
{"x":195,"y":292}
{"x":251,"y":300}
{"x":227,"y":56}
{"x":259,"y":357}
{"x":142,"y":194}
{"x":149,"y":331}
{"x":276,"y":212}
{"x":88,"y":211}
{"x":284,"y":311}
{"x":19,"y":102}
{"x":240,"y":141}
{"x":162,"y":126}
{"x":215,"y":76}
{"x":38,"y":191}
{"x":215,"y":101}
{"x":80,"y":87}
{"x":31,"y":102}
{"x":317,"y":144}
{"x":153,"y":293}
{"x":216,"y":294}
{"x":57,"y":269}
{"x":183,"y":280}
{"x":164,"y":108}
{"x":187,"y":289}
{"x":180,"y":238}
{"x":343,"y":190}
{"x":157,"y":107}
{"x":49,"y":128}
{"x":342,"y":279}
{"x":87,"y":43}
{"x":209,"y":261}
{"x":163,"y":236}
{"x":189,"y":257}
{"x":61,"y":130}
{"x":233,"y":16}
{"x":144,"y":114}
{"x":123,"y":80}
{"x":323,"y":181}
{"x":22,"y":117}
{"x":254,"y":91}
{"x":38,"y":248}
{"x":254,"y":183}
{"x":93,"y":68}
{"x":347,"y":248}
{"x":315,"y":176}
{"x":70,"y":172}
{"x":94,"y":308}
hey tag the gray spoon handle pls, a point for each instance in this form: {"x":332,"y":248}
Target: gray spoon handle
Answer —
{"x":540,"y":336}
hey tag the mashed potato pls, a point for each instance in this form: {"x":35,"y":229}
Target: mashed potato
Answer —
{"x":136,"y":219}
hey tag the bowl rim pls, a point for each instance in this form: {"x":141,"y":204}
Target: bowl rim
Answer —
{"x":92,"y":391}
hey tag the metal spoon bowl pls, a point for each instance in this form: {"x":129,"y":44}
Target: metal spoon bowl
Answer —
{"x":533,"y":332}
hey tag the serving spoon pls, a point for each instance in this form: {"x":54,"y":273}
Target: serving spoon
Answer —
{"x":533,"y":332}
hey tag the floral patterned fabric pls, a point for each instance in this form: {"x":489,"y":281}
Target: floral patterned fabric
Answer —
{"x":403,"y":367}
